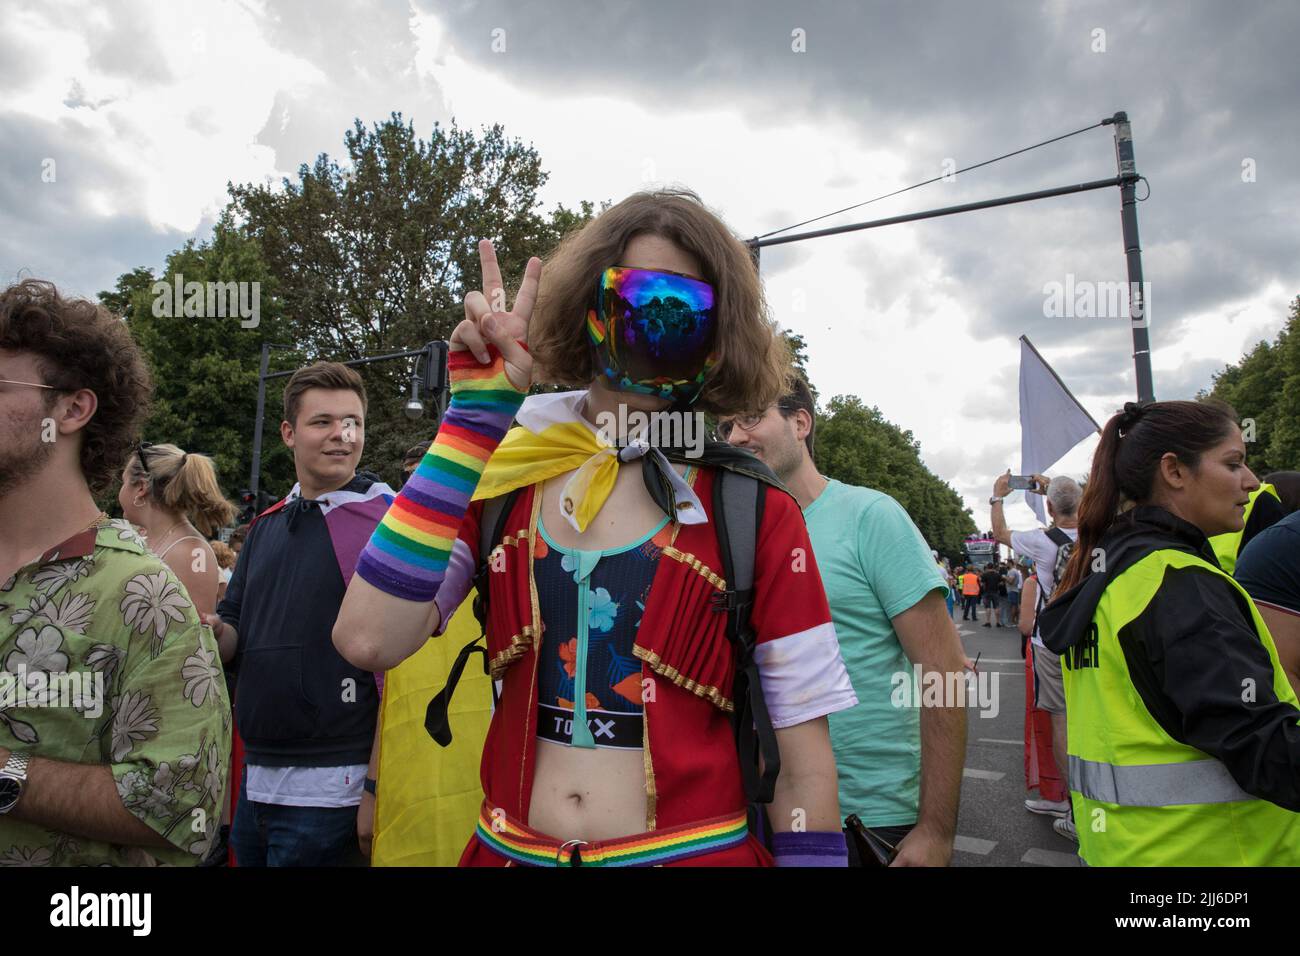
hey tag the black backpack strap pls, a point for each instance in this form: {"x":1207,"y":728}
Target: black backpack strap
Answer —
{"x":1040,"y":601}
{"x":1059,"y":537}
{"x":738,"y":512}
{"x":436,"y":720}
{"x":492,"y":529}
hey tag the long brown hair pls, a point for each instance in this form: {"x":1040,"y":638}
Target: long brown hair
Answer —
{"x":1125,"y":463}
{"x":753,"y":362}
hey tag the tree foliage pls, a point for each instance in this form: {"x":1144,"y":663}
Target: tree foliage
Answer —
{"x":205,"y":369}
{"x":382,"y":252}
{"x":856,"y":445}
{"x":799,"y":356}
{"x":367,"y":257}
{"x":1264,"y":388}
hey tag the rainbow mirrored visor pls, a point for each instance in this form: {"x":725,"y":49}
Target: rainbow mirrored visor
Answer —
{"x":653,"y":332}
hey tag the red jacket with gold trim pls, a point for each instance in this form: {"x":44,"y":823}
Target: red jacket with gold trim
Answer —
{"x":691,"y":764}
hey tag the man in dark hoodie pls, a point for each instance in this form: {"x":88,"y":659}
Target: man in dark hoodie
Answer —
{"x":1184,"y":733}
{"x":306,"y":716}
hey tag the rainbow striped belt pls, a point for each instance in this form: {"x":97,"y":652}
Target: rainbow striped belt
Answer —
{"x":510,"y":838}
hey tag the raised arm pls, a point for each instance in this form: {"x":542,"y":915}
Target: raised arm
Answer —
{"x":1001,"y":488}
{"x":389,"y":611}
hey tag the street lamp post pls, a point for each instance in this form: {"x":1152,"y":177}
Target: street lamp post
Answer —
{"x":1126,"y":181}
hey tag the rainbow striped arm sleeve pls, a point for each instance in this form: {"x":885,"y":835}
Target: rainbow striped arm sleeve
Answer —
{"x":408,"y":552}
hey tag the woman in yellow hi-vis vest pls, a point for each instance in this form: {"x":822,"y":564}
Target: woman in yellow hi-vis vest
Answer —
{"x":1184,"y":746}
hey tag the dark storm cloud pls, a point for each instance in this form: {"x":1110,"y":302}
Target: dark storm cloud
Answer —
{"x":1207,"y":85}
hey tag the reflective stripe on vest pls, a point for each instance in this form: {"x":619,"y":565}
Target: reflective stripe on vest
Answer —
{"x":1155,"y":785}
{"x":1142,"y":798}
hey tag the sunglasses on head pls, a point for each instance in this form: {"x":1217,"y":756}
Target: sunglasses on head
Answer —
{"x":139,"y":453}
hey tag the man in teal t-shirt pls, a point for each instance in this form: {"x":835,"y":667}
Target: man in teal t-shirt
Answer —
{"x":887,"y":600}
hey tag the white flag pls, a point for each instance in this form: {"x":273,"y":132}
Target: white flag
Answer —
{"x":1051,"y":419}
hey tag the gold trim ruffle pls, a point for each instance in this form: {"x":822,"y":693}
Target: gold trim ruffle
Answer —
{"x":519,"y":646}
{"x":656,"y":664}
{"x":510,"y":540}
{"x":691,"y":561}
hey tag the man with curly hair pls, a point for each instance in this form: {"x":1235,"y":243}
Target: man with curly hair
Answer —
{"x":114,"y":719}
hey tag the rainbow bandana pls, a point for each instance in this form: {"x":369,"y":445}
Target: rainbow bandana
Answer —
{"x":504,"y":835}
{"x":551,"y":438}
{"x":653,"y":332}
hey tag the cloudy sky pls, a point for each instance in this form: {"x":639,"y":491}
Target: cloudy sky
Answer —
{"x":123,"y":123}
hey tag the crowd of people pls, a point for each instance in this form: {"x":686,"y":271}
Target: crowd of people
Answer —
{"x":996,"y":588}
{"x":694,"y":649}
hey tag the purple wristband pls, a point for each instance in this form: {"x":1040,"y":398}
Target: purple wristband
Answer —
{"x":810,"y":849}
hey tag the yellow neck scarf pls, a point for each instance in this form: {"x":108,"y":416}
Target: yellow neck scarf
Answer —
{"x":552,"y":438}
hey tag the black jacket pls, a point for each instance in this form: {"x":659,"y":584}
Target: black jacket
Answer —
{"x":1193,"y":656}
{"x":298,"y":703}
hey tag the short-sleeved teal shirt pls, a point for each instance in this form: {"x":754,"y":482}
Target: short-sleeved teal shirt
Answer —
{"x":874,"y":565}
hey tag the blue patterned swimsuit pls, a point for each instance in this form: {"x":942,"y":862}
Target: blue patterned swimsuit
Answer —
{"x":591,"y":604}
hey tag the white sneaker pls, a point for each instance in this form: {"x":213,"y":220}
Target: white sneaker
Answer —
{"x":1052,"y":808}
{"x":1065,"y":827}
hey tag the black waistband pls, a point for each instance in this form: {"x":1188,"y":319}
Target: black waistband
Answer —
{"x":608,"y":728}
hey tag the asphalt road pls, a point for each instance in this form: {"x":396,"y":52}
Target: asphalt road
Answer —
{"x":993,"y":826}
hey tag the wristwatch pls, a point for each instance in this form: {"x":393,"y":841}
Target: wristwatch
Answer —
{"x":996,"y":500}
{"x":13,"y":776}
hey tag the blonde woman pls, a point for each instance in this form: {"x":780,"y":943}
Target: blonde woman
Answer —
{"x":174,"y":498}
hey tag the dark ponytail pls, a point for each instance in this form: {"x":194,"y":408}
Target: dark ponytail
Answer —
{"x":1125,"y":463}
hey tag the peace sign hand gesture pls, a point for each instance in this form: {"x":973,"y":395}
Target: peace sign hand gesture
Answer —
{"x":487,"y":321}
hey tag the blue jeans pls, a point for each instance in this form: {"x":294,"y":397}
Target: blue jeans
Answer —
{"x":267,"y":834}
{"x":1012,"y":601}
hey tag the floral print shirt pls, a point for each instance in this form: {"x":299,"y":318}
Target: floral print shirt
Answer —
{"x":103,"y":660}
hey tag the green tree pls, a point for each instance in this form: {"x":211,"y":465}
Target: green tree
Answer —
{"x":377,"y":256}
{"x":1284,"y":443}
{"x":205,"y":369}
{"x":856,"y":445}
{"x":374,"y":257}
{"x":1264,"y":388}
{"x":799,"y":356}
{"x":381,"y":253}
